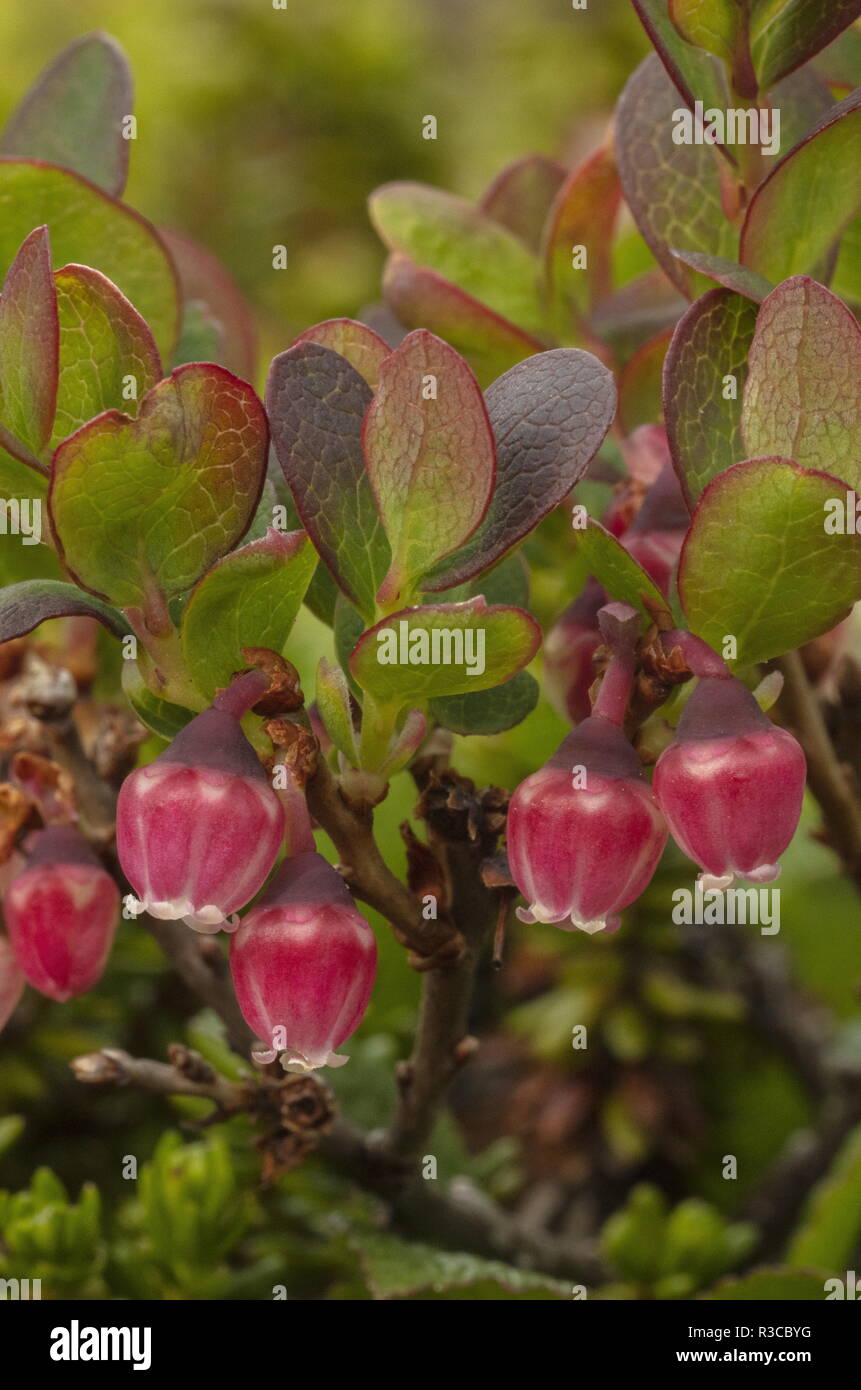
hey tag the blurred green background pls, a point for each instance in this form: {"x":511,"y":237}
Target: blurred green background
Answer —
{"x":260,"y":127}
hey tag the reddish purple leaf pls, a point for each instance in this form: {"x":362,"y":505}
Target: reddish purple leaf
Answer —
{"x":29,"y":347}
{"x":583,"y":215}
{"x":317,"y":403}
{"x":203,"y":277}
{"x":363,"y":348}
{"x":550,"y":415}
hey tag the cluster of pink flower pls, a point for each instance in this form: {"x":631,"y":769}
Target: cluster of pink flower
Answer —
{"x":198,"y":832}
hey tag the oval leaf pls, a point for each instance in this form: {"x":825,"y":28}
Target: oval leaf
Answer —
{"x":757,"y":563}
{"x":73,"y":113}
{"x":550,"y":415}
{"x":448,"y":649}
{"x":704,"y":375}
{"x":317,"y":403}
{"x":617,"y":571}
{"x":806,"y":202}
{"x":451,"y":236}
{"x":521,"y":195}
{"x":802,"y":399}
{"x":24,"y":606}
{"x":796,"y":33}
{"x":103,"y":342}
{"x":363,"y":348}
{"x":89,"y":228}
{"x":427,"y":440}
{"x":29,"y":345}
{"x":153,"y":502}
{"x":249,"y":599}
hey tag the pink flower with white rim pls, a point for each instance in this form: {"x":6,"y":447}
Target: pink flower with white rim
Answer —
{"x":61,"y":912}
{"x":585,"y":832}
{"x":303,"y":963}
{"x":199,"y":829}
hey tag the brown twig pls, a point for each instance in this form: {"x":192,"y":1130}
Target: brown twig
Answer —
{"x":369,"y":876}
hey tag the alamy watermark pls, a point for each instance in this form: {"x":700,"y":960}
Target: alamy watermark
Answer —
{"x":439,"y":646}
{"x":21,"y":516}
{"x":718,"y":907}
{"x":736,"y":126}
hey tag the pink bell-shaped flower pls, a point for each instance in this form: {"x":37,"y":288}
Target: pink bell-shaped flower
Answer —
{"x":303,"y":963}
{"x":61,"y":913}
{"x":11,"y":981}
{"x":731,"y":784}
{"x":568,"y":651}
{"x":199,"y":829}
{"x":585,"y":832}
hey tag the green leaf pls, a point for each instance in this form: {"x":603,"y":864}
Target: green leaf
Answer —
{"x":89,"y":228}
{"x":800,"y":210}
{"x":394,"y":1268}
{"x":773,"y":1286}
{"x":550,"y":416}
{"x":317,"y":403}
{"x":795,"y":33}
{"x":583,"y":215}
{"x":616,"y":570}
{"x":488,"y":711}
{"x":729,"y":274}
{"x":831,"y":1223}
{"x":757,"y":563}
{"x":363,"y":348}
{"x":151,"y":503}
{"x":427,"y":440}
{"x":697,"y":75}
{"x":25,"y":605}
{"x":802,"y":399}
{"x":521,"y":196}
{"x":673,"y":191}
{"x":73,"y":113}
{"x":161,"y":716}
{"x":710,"y":344}
{"x":29,"y":346}
{"x":335,"y":709}
{"x":451,"y":236}
{"x":420,"y":298}
{"x":457,"y":648}
{"x":103,"y":342}
{"x":249,"y":599}
{"x":714,"y":25}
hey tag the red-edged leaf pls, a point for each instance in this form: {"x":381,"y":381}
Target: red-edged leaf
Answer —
{"x":758,"y":563}
{"x":317,"y":403}
{"x":550,"y":415}
{"x":427,"y":441}
{"x":420,"y":298}
{"x":521,"y":195}
{"x":203,"y":277}
{"x":583,"y":215}
{"x":464,"y":245}
{"x":729,"y":274}
{"x":697,"y":75}
{"x":104,"y":346}
{"x":29,"y":348}
{"x":802,"y":399}
{"x":782,"y":41}
{"x":389,"y":663}
{"x":24,"y":606}
{"x":673,"y":191}
{"x":702,"y":407}
{"x":73,"y":113}
{"x":632,"y":315}
{"x":807,"y":201}
{"x":641,"y":384}
{"x":363,"y":348}
{"x":143,"y":507}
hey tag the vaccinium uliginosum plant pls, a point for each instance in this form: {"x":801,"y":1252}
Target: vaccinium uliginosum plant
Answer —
{"x":708,"y":410}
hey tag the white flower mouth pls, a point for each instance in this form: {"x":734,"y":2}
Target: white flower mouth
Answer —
{"x":207,"y":919}
{"x":718,"y":883}
{"x":296,"y":1063}
{"x":538,"y":913}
